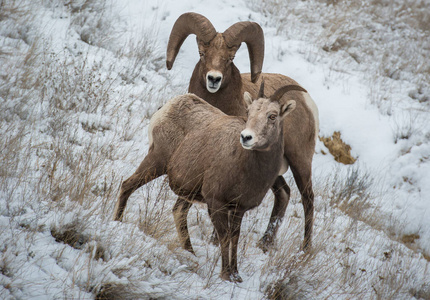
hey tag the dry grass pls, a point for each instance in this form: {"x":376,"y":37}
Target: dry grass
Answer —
{"x":57,"y":149}
{"x":409,"y":124}
{"x":11,"y":9}
{"x":349,"y":259}
{"x":74,"y":101}
{"x":92,"y":21}
{"x":351,"y":192}
{"x":60,"y":144}
{"x":352,"y":34}
{"x":119,"y":291}
{"x":153,"y":214}
{"x":137,"y":51}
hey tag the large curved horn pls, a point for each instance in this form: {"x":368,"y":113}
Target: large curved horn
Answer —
{"x":286,"y":88}
{"x":252,"y":34}
{"x":186,"y":24}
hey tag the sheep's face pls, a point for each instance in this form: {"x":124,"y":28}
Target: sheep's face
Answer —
{"x":216,"y":60}
{"x":264,"y":125}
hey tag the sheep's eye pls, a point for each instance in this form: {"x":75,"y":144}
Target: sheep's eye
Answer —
{"x":201,"y":53}
{"x":231,"y":58}
{"x":272,"y":117}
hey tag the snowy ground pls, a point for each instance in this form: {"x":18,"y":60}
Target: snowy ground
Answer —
{"x":78,"y":83}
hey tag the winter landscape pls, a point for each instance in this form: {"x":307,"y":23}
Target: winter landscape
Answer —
{"x":79,"y":81}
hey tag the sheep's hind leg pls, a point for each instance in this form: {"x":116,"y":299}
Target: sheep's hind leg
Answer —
{"x":282,"y":196}
{"x":303,"y":178}
{"x":180,"y":213}
{"x":148,"y":170}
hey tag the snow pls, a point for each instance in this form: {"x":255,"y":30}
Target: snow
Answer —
{"x":64,"y":155}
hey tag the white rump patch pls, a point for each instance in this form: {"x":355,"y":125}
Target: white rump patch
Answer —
{"x":314,"y":109}
{"x":157,"y":116}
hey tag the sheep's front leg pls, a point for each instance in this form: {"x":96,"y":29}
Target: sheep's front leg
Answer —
{"x":180,"y":213}
{"x":235,"y":223}
{"x":282,"y":196}
{"x":219,"y":218}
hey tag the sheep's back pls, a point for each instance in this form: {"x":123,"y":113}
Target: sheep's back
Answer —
{"x":180,"y":116}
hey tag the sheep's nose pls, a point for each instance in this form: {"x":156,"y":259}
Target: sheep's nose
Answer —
{"x":214,"y":79}
{"x":245,"y":138}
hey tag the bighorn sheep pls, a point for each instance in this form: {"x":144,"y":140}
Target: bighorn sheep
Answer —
{"x":198,"y":147}
{"x":217,"y":80}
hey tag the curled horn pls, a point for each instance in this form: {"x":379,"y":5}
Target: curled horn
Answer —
{"x":261,"y":92}
{"x":186,"y":24}
{"x":252,"y":34}
{"x":286,"y":88}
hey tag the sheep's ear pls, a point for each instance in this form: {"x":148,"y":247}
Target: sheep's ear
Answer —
{"x":248,"y":98}
{"x":287,"y":108}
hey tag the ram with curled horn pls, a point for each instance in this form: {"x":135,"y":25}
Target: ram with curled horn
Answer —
{"x":218,"y":81}
{"x":215,"y":73}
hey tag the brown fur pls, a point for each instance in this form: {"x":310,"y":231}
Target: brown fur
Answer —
{"x":299,"y":139}
{"x":299,"y":130}
{"x":299,"y":148}
{"x":198,"y":147}
{"x":172,"y":127}
{"x":216,"y":51}
{"x":228,"y":101}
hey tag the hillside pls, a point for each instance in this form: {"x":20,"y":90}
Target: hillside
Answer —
{"x":79,"y":81}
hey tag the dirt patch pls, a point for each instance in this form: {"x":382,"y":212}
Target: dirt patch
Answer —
{"x":72,"y":236}
{"x":410,"y":238}
{"x":338,"y":148}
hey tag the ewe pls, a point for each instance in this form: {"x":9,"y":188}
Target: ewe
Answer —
{"x":224,"y":161}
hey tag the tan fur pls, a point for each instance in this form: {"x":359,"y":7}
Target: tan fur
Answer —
{"x":198,"y":147}
{"x":300,"y":134}
{"x":217,"y":52}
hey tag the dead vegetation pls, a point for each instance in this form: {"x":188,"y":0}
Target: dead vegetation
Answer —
{"x":336,"y":266}
{"x":338,"y":148}
{"x":53,"y":155}
{"x":352,"y":32}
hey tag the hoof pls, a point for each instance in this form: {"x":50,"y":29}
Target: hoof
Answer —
{"x":306,"y":247}
{"x":233,"y":277}
{"x":191,"y":251}
{"x":265,"y":243}
{"x":214,"y":239}
{"x":187,"y":246}
{"x":117,"y":218}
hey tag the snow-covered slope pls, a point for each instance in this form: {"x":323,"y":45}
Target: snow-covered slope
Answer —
{"x":79,"y":81}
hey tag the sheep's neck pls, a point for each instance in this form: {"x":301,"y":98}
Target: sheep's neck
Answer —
{"x":229,"y":98}
{"x":269,"y":159}
{"x":261,"y":169}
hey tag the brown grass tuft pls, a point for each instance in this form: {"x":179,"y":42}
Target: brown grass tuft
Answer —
{"x":70,"y":235}
{"x":338,"y":148}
